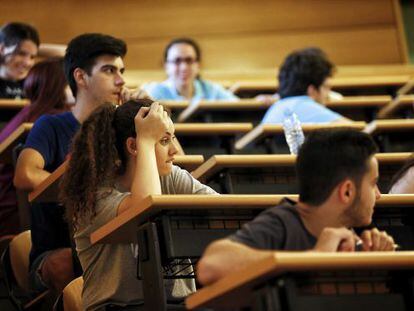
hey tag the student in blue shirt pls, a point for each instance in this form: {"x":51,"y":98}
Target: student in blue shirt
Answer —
{"x":182,"y":59}
{"x":94,"y":69}
{"x":304,"y":86}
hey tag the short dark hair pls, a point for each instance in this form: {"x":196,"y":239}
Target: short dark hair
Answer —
{"x":302,"y":68}
{"x":188,"y":41}
{"x":14,"y":33}
{"x":328,"y":157}
{"x":83,"y":50}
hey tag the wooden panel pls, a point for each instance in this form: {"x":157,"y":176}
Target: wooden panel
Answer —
{"x":241,"y":52}
{"x":152,"y":19}
{"x":348,"y":30}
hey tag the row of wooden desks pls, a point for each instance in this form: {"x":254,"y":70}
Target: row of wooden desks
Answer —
{"x":273,"y":174}
{"x":391,"y":135}
{"x":237,"y":174}
{"x":172,"y":228}
{"x":229,"y":138}
{"x":315,"y":281}
{"x":357,"y":108}
{"x":378,"y":85}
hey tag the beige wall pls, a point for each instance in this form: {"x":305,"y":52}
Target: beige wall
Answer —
{"x":234,"y":34}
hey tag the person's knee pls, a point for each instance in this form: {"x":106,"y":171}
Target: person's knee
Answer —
{"x":57,"y":270}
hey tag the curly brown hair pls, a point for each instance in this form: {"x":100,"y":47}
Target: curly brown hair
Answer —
{"x":98,"y":157}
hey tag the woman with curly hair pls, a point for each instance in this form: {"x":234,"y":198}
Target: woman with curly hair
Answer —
{"x":120,"y":156}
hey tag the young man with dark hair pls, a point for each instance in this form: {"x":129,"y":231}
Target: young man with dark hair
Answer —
{"x":337,"y":175}
{"x":94,"y":67}
{"x":304,"y":87}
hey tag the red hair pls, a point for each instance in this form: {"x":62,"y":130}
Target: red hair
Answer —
{"x":45,"y":88}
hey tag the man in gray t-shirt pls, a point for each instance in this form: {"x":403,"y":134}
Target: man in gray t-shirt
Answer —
{"x":337,"y":176}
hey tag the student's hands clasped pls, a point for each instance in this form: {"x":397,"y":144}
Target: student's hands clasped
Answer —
{"x":345,"y":240}
{"x":152,"y":123}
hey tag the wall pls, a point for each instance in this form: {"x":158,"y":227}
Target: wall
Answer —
{"x":237,"y":34}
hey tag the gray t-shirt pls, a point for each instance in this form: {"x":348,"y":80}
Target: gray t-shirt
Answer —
{"x":277,"y":228}
{"x":110,"y":269}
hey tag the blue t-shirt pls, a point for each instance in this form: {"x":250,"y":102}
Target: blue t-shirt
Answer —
{"x":203,"y":90}
{"x":307,"y":110}
{"x":51,"y":136}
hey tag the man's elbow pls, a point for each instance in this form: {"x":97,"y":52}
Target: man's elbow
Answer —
{"x":206,"y":271}
{"x":22,"y":180}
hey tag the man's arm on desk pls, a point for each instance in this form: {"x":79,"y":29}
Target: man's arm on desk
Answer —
{"x":29,"y":170}
{"x":223,"y":257}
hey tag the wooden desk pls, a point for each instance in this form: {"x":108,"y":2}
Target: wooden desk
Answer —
{"x":391,"y":135}
{"x":209,"y":138}
{"x":48,"y":190}
{"x":18,"y":136}
{"x":273,"y":174}
{"x":12,"y":104}
{"x":239,"y":289}
{"x":175,"y":107}
{"x":9,"y":108}
{"x":244,"y":110}
{"x":343,"y":84}
{"x":170,"y":228}
{"x":357,"y":108}
{"x":265,"y":130}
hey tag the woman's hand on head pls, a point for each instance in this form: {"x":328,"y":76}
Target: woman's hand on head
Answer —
{"x":152,"y":123}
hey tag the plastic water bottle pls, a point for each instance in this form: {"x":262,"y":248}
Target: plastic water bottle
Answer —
{"x":293,"y":131}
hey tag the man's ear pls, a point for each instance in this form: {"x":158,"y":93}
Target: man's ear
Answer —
{"x":131,"y":146}
{"x":80,"y":76}
{"x":346,"y":191}
{"x":312,"y":91}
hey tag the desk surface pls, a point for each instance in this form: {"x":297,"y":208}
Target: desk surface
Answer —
{"x":13,"y":104}
{"x":374,"y":127}
{"x":122,"y":229}
{"x":6,"y":147}
{"x":263,"y":130}
{"x":338,"y":82}
{"x":235,"y":289}
{"x":252,"y":104}
{"x":212,"y":128}
{"x":218,"y":162}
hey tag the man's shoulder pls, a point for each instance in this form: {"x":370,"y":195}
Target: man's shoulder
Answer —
{"x":158,"y":89}
{"x":286,"y":208}
{"x":53,"y":120}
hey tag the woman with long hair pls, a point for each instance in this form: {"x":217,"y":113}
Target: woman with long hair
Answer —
{"x":120,"y":156}
{"x":45,"y":87}
{"x":182,"y":58}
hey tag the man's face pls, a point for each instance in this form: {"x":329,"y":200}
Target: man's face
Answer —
{"x":360,"y":212}
{"x":105,"y":82}
{"x":18,"y":62}
{"x":165,"y":150}
{"x":181,"y":65}
{"x":321,"y":95}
